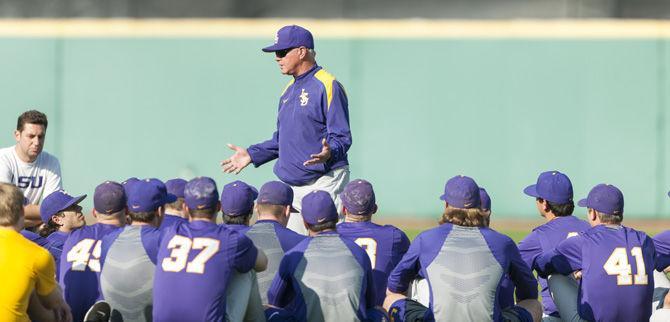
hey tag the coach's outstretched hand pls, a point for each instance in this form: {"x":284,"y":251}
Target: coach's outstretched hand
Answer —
{"x":237,"y":161}
{"x":320,"y":157}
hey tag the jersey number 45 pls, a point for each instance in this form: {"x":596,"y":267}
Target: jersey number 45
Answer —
{"x":81,"y":255}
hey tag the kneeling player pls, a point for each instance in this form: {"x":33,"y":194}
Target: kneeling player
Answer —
{"x":613,"y":259}
{"x":325,"y":277}
{"x":198,"y":258}
{"x":464,"y":263}
{"x":385,"y":245}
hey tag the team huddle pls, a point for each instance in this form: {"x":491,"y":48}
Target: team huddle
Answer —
{"x":157,"y":253}
{"x":306,"y":248}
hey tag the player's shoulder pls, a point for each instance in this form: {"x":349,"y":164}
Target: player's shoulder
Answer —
{"x":496,"y":238}
{"x":430,"y":235}
{"x":301,"y":246}
{"x":7,"y":152}
{"x":662,"y":237}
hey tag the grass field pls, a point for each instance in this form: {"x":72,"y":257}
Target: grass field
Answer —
{"x":518,"y":229}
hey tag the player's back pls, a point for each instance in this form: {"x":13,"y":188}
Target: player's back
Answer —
{"x":385,"y":246}
{"x":545,"y":238}
{"x":329,"y":277}
{"x":129,"y":262}
{"x":616,"y":283}
{"x":22,"y":264}
{"x":465,"y":267}
{"x":275,"y":240}
{"x":80,"y":266}
{"x":196,"y":259}
{"x":171,"y":220}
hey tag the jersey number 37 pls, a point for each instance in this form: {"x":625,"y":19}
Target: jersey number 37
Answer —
{"x":182,"y":246}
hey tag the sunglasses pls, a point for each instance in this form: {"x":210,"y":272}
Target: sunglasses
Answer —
{"x":282,"y":53}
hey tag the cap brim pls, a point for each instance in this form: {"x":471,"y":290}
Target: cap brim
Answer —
{"x":532,"y":191}
{"x":582,"y":203}
{"x":170,"y":198}
{"x":668,"y":193}
{"x":293,"y":210}
{"x":273,"y":48}
{"x":72,"y":202}
{"x":443,"y":197}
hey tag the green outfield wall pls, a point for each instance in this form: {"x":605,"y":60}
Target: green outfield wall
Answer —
{"x":422,"y":110}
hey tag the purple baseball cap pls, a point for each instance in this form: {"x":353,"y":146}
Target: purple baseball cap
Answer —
{"x":201,"y":193}
{"x":291,"y":37}
{"x":109,"y":197}
{"x":276,"y":193}
{"x":461,"y":192}
{"x":604,"y":198}
{"x":358,"y":197}
{"x":176,"y":187}
{"x":56,"y":202}
{"x":485,"y":199}
{"x":237,"y":198}
{"x":552,"y":186}
{"x":128,"y":183}
{"x":318,"y":207}
{"x":147,"y":195}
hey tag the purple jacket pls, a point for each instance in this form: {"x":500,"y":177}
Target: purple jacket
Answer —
{"x":313,"y":106}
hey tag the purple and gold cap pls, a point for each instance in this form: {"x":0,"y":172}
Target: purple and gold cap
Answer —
{"x":461,"y":192}
{"x":148,"y":195}
{"x":237,"y":198}
{"x":201,"y":193}
{"x":56,"y":202}
{"x":176,"y":187}
{"x":604,"y":198}
{"x":358,"y":197}
{"x":485,"y":199}
{"x":552,"y":186}
{"x":318,"y":207}
{"x":276,"y":193}
{"x":291,"y":37}
{"x":109,"y":197}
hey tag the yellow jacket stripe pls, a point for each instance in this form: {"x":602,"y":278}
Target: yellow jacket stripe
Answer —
{"x":327,"y":80}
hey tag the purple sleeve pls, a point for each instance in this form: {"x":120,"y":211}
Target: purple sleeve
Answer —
{"x":407,"y":268}
{"x":400,"y":246}
{"x":337,"y":122}
{"x":266,"y":151}
{"x":564,"y":259}
{"x":35,"y":238}
{"x":662,"y":246}
{"x":151,"y":239}
{"x":243,"y":251}
{"x":529,"y":248}
{"x":281,"y":291}
{"x":521,"y":275}
{"x":106,"y":242}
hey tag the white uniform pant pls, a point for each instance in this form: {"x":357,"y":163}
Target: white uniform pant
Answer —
{"x":332,"y":182}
